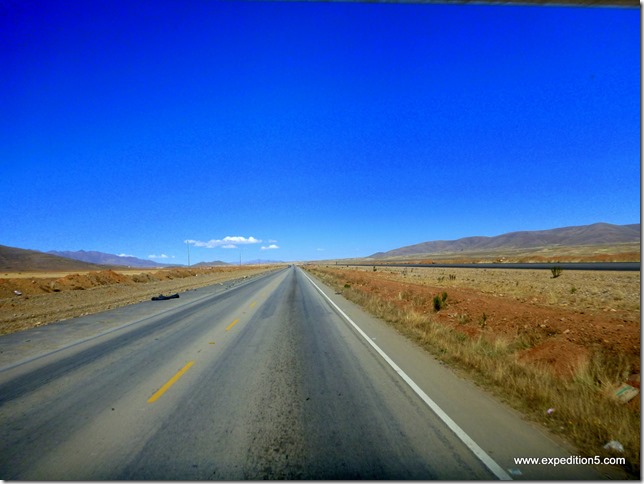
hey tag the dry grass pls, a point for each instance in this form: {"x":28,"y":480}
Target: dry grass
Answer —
{"x":576,"y":290}
{"x":585,"y":411}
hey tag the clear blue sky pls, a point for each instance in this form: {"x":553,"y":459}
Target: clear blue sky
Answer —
{"x":321,"y":130}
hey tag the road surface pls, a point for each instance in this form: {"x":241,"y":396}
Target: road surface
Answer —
{"x":275,"y":377}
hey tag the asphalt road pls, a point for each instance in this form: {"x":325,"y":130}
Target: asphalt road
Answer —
{"x":275,"y":377}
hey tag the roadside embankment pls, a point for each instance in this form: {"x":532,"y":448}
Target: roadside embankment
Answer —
{"x":37,"y":299}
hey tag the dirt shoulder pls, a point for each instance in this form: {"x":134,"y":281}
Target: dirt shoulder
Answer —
{"x":37,"y":299}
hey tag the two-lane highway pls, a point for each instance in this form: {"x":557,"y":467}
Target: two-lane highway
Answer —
{"x":300,"y":397}
{"x":268,"y":379}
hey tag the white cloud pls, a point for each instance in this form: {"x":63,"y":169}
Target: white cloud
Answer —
{"x":126,"y":255}
{"x":226,"y":243}
{"x":161,"y":256}
{"x":270,"y":247}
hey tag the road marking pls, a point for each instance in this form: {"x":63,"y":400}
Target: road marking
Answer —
{"x":232,"y":324}
{"x":496,"y":469}
{"x":211,"y":342}
{"x":252,"y":305}
{"x":170,"y":382}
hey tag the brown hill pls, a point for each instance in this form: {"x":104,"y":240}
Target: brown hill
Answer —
{"x":14,"y":260}
{"x":595,"y":234}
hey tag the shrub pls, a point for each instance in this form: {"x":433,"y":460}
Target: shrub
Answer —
{"x":556,"y":271}
{"x":439,"y":301}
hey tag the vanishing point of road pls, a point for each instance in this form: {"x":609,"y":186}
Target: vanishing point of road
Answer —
{"x":273,"y":377}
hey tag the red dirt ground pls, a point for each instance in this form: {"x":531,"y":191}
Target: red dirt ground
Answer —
{"x":560,"y":338}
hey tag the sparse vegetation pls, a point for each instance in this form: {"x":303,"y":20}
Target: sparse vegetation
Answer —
{"x":439,"y":301}
{"x":438,"y":305}
{"x":556,"y":271}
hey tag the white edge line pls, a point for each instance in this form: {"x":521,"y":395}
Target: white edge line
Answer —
{"x":496,"y":469}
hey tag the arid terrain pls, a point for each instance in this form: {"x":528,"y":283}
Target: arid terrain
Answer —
{"x":563,"y":343}
{"x":627,"y":252}
{"x":46,"y":297}
{"x":556,"y":348}
{"x":572,"y":312}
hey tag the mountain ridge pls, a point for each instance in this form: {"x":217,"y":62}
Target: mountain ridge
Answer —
{"x":593,"y":234}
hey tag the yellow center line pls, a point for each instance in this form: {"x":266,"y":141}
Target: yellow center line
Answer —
{"x":252,"y":305}
{"x":170,"y":382}
{"x":232,"y":324}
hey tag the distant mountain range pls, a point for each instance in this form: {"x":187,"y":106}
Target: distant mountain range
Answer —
{"x":595,"y":234}
{"x":94,"y":257}
{"x":15,"y":260}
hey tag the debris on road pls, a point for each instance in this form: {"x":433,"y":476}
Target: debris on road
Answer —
{"x":161,"y":297}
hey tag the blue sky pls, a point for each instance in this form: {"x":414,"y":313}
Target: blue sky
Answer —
{"x":302,"y":131}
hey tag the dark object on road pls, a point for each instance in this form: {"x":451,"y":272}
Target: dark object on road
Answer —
{"x":161,"y":297}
